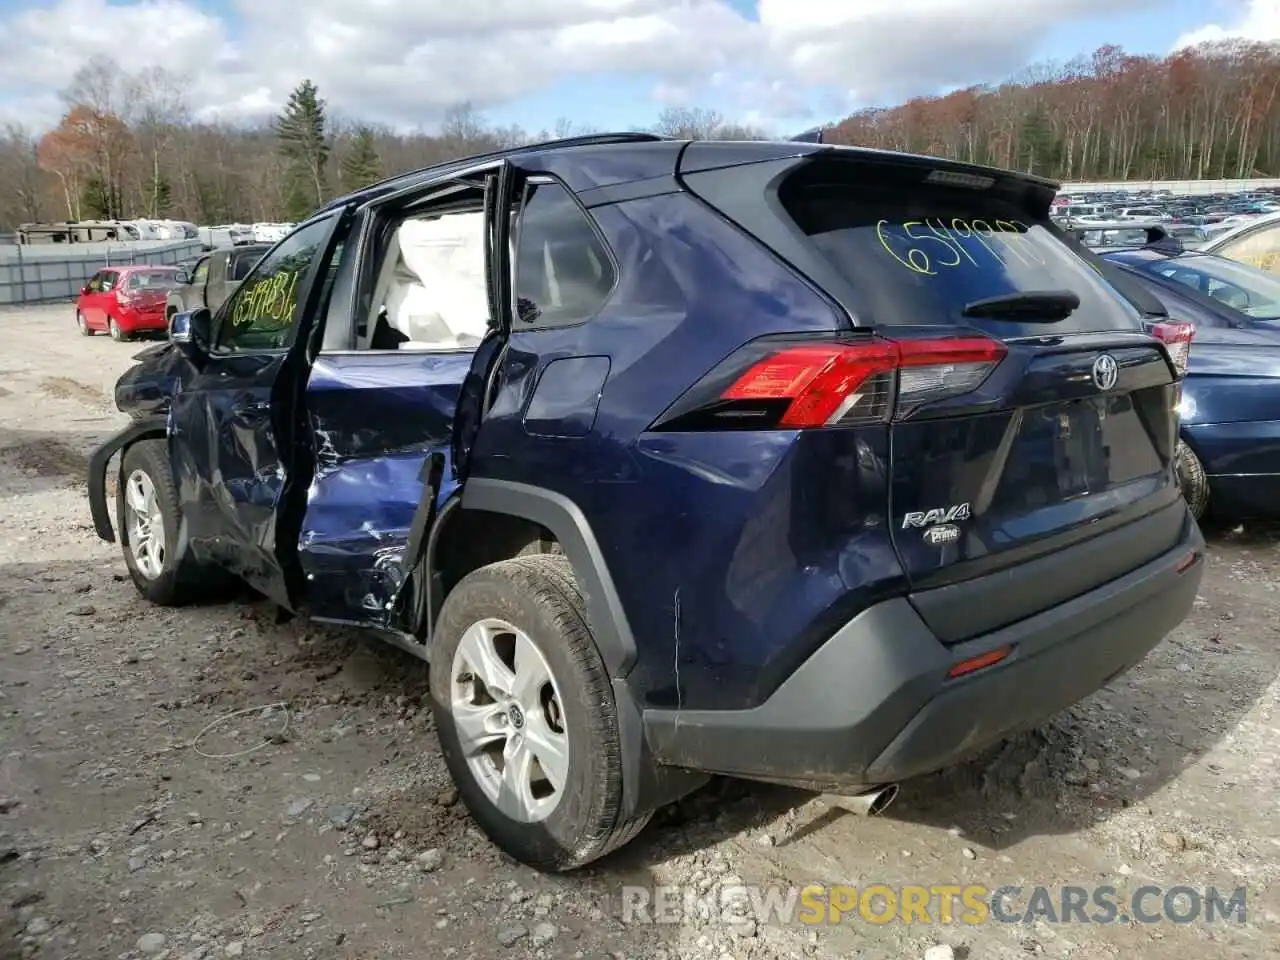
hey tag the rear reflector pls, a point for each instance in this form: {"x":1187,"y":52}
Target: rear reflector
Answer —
{"x":1187,"y":562}
{"x":980,"y":662}
{"x":824,"y":384}
{"x":1177,"y":338}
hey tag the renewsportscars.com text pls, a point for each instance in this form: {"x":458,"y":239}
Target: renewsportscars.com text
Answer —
{"x":932,"y":904}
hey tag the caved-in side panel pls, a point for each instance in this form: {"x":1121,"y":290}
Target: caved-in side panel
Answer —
{"x":376,"y":419}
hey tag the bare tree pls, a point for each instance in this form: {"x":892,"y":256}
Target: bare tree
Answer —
{"x":689,"y":123}
{"x":161,"y":109}
{"x":23,"y":196}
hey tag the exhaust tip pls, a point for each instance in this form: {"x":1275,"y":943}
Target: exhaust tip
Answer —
{"x":884,"y":796}
{"x":870,"y":803}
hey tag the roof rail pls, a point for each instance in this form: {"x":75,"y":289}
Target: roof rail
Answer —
{"x":584,"y":140}
{"x":809,"y":136}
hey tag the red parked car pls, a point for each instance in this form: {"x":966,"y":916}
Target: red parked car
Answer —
{"x":125,"y":301}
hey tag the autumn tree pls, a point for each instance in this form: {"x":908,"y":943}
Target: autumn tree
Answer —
{"x":125,"y":144}
{"x":304,"y":142}
{"x":361,"y":166}
{"x":96,"y":126}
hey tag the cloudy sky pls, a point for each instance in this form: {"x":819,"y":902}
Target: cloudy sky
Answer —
{"x":610,"y":64}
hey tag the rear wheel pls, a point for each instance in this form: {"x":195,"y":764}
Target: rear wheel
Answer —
{"x":150,"y":524}
{"x":83,"y":324}
{"x":113,"y":327}
{"x":1192,"y":479}
{"x":526,"y":715}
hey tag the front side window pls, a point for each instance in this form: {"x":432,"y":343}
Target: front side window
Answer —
{"x":1260,"y":249}
{"x":262,"y":314}
{"x":1252,"y":292}
{"x":201,"y":273}
{"x":564,"y":274}
{"x":109,"y":280}
{"x":242,"y":263}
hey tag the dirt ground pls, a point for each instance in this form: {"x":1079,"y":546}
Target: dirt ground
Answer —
{"x":124,"y":834}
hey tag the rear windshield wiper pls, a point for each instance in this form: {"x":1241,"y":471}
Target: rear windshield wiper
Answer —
{"x":1035,"y":306}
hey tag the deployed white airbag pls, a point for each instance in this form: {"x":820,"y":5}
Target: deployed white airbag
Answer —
{"x":437,"y":296}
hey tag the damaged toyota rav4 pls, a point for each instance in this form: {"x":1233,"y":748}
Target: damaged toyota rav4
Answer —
{"x":785,"y":461}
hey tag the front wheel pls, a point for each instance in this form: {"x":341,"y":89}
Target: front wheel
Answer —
{"x":1192,"y":479}
{"x":149,"y":521}
{"x":526,"y":716}
{"x":83,"y":325}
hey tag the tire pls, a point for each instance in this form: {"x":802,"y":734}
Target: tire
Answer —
{"x":171,"y":578}
{"x":532,"y":600}
{"x":1192,"y":479}
{"x":113,"y":328}
{"x":83,"y":324}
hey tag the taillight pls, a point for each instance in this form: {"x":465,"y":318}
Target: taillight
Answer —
{"x":821,"y":383}
{"x":1177,"y":338}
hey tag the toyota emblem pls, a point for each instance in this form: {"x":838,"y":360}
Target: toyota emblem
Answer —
{"x":1105,"y":372}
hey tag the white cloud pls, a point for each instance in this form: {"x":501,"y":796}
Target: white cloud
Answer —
{"x":883,"y":50}
{"x":403,"y":62}
{"x":1260,"y":21}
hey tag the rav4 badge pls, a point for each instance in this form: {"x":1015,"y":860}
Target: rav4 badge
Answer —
{"x":929,"y":518}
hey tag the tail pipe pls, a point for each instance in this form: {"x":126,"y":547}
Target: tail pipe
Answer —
{"x":870,"y":803}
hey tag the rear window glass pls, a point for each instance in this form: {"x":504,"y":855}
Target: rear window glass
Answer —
{"x":153,"y":280}
{"x":917,"y":253}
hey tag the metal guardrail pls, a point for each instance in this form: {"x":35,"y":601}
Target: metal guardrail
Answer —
{"x":43,"y":273}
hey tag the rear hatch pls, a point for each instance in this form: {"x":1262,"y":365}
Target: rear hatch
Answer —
{"x":148,"y":292}
{"x":1028,"y":408}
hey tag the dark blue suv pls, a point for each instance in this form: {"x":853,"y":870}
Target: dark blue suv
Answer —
{"x":799,"y":463}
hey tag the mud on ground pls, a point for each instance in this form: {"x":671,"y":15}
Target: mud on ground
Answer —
{"x":342,"y":838}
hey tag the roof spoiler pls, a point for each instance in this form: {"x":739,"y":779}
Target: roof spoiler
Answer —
{"x":809,"y":136}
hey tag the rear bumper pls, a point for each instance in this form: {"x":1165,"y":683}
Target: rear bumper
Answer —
{"x":874,"y":703}
{"x":134,"y":321}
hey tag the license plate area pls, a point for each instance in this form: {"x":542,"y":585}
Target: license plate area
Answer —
{"x":1076,"y":448}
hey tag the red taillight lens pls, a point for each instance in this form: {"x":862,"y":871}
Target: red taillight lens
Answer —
{"x":823,"y":384}
{"x":1177,"y":338}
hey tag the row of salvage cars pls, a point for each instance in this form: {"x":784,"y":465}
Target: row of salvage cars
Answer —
{"x":1229,"y":451}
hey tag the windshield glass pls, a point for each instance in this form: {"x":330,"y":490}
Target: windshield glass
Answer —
{"x":1252,"y":292}
{"x":153,"y":280}
{"x":916,"y":253}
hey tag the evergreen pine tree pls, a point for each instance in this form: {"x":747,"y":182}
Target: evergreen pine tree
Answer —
{"x":304,"y":142}
{"x":362,"y":165}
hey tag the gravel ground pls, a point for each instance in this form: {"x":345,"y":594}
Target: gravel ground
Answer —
{"x":123,"y":834}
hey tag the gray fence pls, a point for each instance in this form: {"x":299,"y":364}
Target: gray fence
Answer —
{"x":42,"y":273}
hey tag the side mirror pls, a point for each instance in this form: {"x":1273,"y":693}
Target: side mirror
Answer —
{"x":192,"y":332}
{"x":182,"y":277}
{"x":85,"y":290}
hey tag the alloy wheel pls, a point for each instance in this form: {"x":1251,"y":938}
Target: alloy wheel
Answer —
{"x":507,"y":711}
{"x":146,"y":524}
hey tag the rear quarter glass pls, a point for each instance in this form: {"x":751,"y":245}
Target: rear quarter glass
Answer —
{"x":916,"y":253}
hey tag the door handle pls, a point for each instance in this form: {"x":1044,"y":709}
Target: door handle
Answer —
{"x":253,"y":409}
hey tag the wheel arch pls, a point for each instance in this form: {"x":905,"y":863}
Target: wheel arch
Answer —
{"x":534,"y":509}
{"x":147,"y":428}
{"x":645,"y":784}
